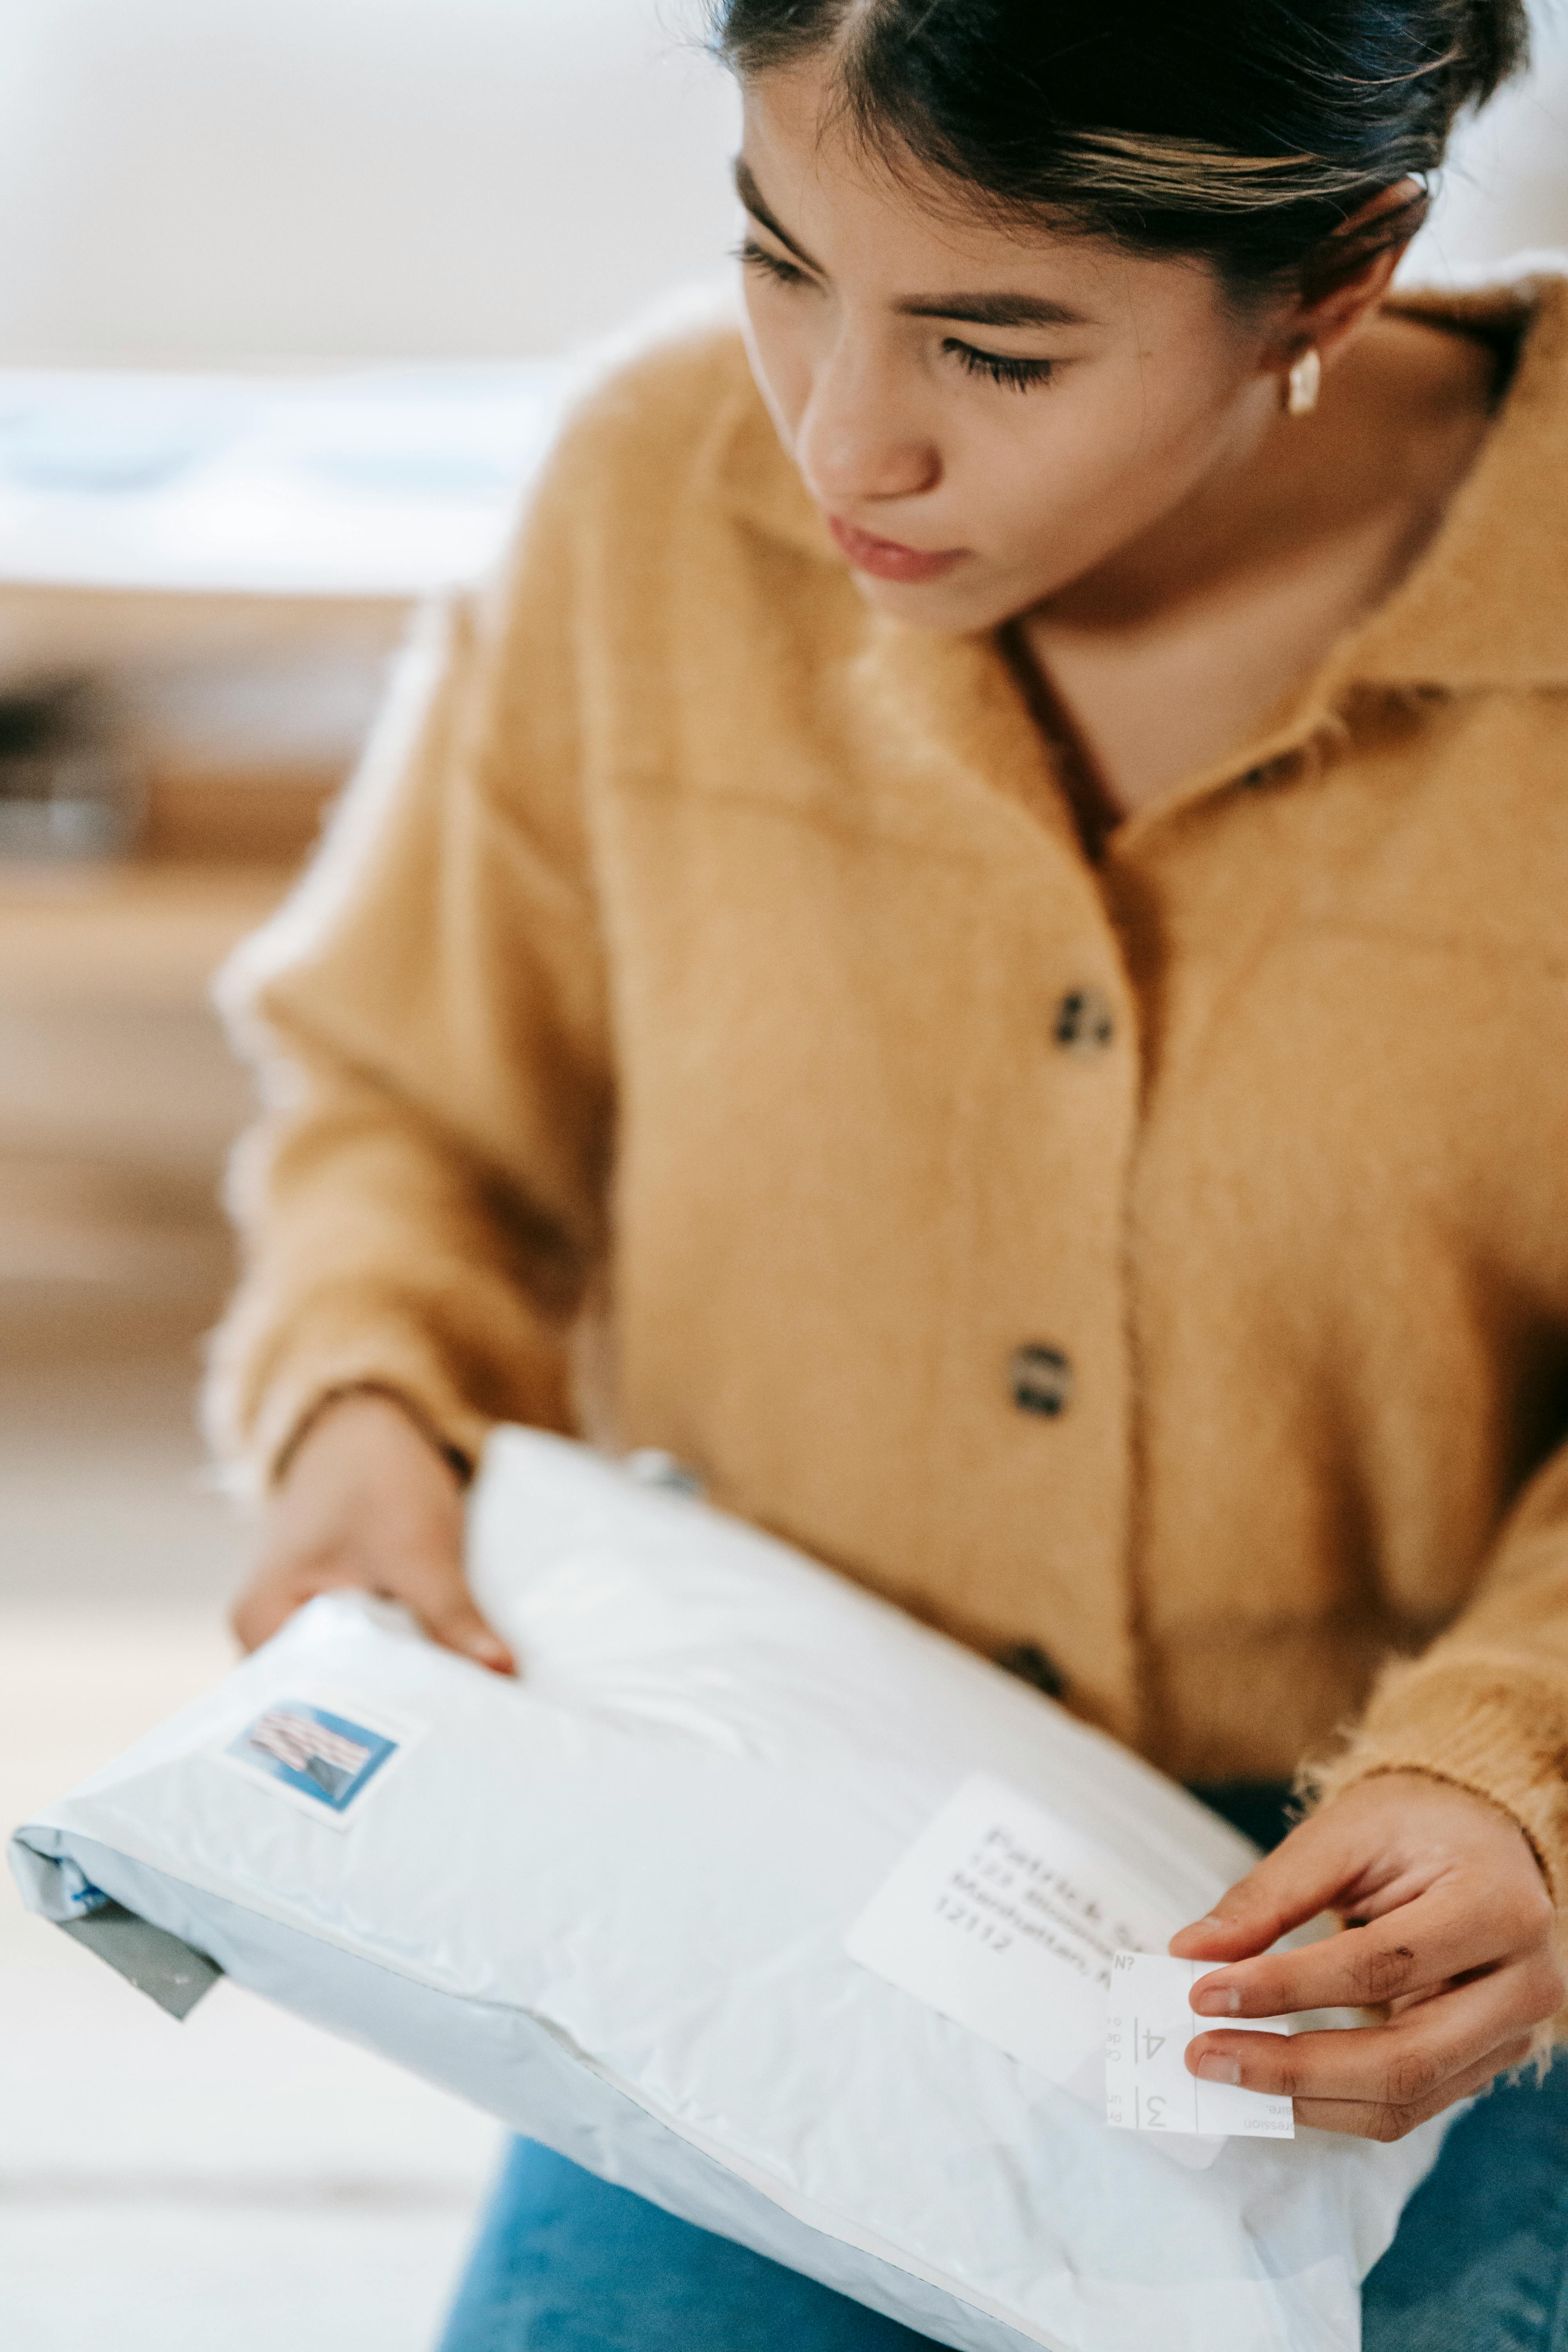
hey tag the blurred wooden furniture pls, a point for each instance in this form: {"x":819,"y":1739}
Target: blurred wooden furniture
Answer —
{"x":147,"y":933}
{"x":119,"y":1097}
{"x":232,"y":560}
{"x":267,"y":818}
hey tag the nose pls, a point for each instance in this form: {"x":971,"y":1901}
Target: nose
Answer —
{"x":855,"y":440}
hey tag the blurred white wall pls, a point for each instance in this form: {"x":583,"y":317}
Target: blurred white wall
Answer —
{"x":190,"y":182}
{"x":1506,"y":188}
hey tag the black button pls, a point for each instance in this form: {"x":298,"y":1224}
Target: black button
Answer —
{"x":1042,"y":1381}
{"x":1085,"y":1021}
{"x":1032,"y":1664}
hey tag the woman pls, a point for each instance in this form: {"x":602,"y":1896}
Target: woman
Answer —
{"x":970,"y":941}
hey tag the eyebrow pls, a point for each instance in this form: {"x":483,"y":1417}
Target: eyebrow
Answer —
{"x":994,"y":311}
{"x":751,"y":197}
{"x":964,"y":309}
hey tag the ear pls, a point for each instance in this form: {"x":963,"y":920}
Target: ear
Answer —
{"x":1340,"y":296}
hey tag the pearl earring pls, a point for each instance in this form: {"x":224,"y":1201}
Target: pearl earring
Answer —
{"x":1302,"y":383}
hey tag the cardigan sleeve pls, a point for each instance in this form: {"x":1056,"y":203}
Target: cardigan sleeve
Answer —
{"x":422,"y":1204}
{"x":1486,"y":1707}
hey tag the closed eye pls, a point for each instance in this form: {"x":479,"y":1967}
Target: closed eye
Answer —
{"x":1019,"y":375}
{"x":755,"y":257}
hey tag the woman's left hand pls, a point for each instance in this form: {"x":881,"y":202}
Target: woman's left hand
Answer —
{"x":1450,"y":1925}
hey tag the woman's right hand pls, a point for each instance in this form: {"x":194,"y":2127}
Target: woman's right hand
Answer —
{"x":367,"y":1501}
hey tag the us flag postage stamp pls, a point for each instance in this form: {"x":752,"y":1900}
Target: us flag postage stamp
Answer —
{"x":319,"y":1751}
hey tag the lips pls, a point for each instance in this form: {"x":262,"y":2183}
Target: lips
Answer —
{"x":885,"y":558}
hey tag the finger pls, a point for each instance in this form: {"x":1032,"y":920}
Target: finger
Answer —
{"x":256,"y":1616}
{"x":1292,"y":1884}
{"x":1396,"y":2065}
{"x":443,"y":1607}
{"x":1377,"y":2119}
{"x":1442,"y":1934}
{"x":272,"y":1596}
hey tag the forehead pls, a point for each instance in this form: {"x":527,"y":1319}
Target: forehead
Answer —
{"x":887,"y":217}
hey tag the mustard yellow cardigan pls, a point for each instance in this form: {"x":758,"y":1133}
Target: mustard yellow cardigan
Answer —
{"x":704,"y":1029}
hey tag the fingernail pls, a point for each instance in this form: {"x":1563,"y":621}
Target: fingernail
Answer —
{"x":1217,"y":2000}
{"x":489,"y":1651}
{"x":1220,"y":2069}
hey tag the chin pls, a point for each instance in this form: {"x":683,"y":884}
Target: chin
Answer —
{"x":964,"y":605}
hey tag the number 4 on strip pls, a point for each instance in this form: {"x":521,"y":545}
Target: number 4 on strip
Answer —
{"x":1148,"y":2025}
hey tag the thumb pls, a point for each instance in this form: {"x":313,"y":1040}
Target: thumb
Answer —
{"x":265,"y":1604}
{"x":444,"y":1609}
{"x":1292,"y":1884}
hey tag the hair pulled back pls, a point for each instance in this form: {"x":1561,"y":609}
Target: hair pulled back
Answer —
{"x":1244,"y":131}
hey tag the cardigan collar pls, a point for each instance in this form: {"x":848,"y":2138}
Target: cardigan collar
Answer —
{"x":1485,"y":606}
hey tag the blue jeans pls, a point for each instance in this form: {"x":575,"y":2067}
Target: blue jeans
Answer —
{"x":566,"y":2263}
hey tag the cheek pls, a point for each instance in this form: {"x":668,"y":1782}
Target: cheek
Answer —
{"x":1095,"y":462}
{"x":780,"y":364}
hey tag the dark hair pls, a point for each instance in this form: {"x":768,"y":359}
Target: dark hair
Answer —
{"x":1245,"y":132}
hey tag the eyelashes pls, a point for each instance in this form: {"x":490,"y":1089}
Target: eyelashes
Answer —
{"x":993,"y":367}
{"x":1019,"y":375}
{"x":752,"y":255}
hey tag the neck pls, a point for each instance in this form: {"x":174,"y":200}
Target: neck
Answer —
{"x":1400,"y":421}
{"x":1178,"y":651}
